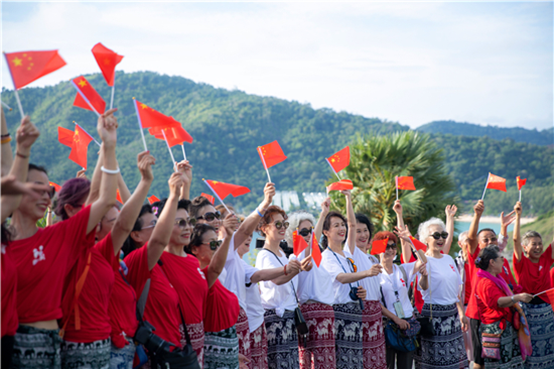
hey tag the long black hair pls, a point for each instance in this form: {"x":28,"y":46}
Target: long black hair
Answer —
{"x":327,"y":226}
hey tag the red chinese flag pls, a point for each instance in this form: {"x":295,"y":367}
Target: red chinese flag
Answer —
{"x":299,"y":244}
{"x":107,"y":60}
{"x":118,"y":196}
{"x":550,"y":294}
{"x":520,"y":182}
{"x":418,"y":244}
{"x":175,"y":135}
{"x":65,"y":136}
{"x":316,"y":252}
{"x":496,"y":183}
{"x":150,"y":118}
{"x":152,"y":199}
{"x":79,"y":149}
{"x":378,"y":247}
{"x":406,"y":183}
{"x":209,"y":197}
{"x":57,"y":187}
{"x":225,"y":189}
{"x":271,"y":154}
{"x":87,"y":96}
{"x":343,"y":184}
{"x":340,"y":160}
{"x":28,"y":66}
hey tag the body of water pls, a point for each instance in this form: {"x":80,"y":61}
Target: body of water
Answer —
{"x":464,"y":226}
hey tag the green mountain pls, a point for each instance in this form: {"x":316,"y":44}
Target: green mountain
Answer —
{"x":518,"y":134}
{"x":228,"y":126}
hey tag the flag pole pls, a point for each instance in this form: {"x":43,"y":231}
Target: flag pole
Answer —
{"x":184,"y":153}
{"x":545,"y":291}
{"x":87,"y":133}
{"x":6,"y":106}
{"x":311,"y":242}
{"x":265,"y":166}
{"x":169,"y":148}
{"x":333,"y":169}
{"x":140,"y":124}
{"x":113,"y":90}
{"x":486,"y":184}
{"x":216,"y":195}
{"x":519,"y":195}
{"x":15,"y":89}
{"x":396,"y":182}
{"x":84,"y":98}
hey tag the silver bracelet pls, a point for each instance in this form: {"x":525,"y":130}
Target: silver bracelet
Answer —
{"x":514,"y":301}
{"x":109,"y":171}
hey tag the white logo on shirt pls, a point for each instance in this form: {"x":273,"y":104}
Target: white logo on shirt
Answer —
{"x":201,"y":273}
{"x":540,"y":267}
{"x":39,"y":255}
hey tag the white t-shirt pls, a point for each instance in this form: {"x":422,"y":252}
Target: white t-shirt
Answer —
{"x":395,"y":282}
{"x":364,"y":262}
{"x":444,"y":281}
{"x":237,"y":274}
{"x":254,"y":309}
{"x":276,"y":297}
{"x":315,"y":285}
{"x":334,"y":266}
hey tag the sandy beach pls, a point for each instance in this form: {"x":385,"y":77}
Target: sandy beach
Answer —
{"x":490,"y":219}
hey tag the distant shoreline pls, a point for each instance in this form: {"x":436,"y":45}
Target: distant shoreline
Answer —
{"x":491,"y":219}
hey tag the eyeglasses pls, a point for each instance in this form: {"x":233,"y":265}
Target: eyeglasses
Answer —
{"x":214,"y":244}
{"x":152,"y":224}
{"x":305,"y":232}
{"x":209,"y":217}
{"x":438,"y":235}
{"x":279,"y":224}
{"x":183,"y":222}
{"x":391,"y":245}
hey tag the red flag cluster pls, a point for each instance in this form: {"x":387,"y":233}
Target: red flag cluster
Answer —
{"x":300,"y":244}
{"x":78,"y":140}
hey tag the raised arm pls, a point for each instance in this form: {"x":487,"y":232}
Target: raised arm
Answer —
{"x":518,"y":250}
{"x":249,"y":224}
{"x":126,"y":220}
{"x":325,"y":205}
{"x":397,"y":207}
{"x":162,"y":231}
{"x":351,"y":219}
{"x":94,"y":192}
{"x":220,"y":256}
{"x":107,"y":126}
{"x":505,"y":221}
{"x":123,"y":189}
{"x":450,"y":212}
{"x":401,"y":230}
{"x":12,"y":189}
{"x":7,"y":156}
{"x":479,"y":208}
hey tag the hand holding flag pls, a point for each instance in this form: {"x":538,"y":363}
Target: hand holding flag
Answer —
{"x":520,"y":183}
{"x":494,"y":182}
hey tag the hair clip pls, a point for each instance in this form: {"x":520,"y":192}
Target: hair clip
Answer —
{"x":155,"y":210}
{"x":478,"y":260}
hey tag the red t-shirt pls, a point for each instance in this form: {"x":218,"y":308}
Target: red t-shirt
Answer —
{"x":43,"y":261}
{"x":222,"y":308}
{"x":534,"y":277}
{"x":552,"y":277}
{"x":9,"y":290}
{"x":189,"y":282}
{"x":488,"y":294}
{"x":418,"y":298}
{"x":122,"y":311}
{"x":467,"y":287}
{"x":162,"y":305}
{"x":95,"y":296}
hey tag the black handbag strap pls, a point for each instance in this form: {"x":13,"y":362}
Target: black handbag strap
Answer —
{"x":342,"y":266}
{"x":280,"y":262}
{"x":143,"y":296}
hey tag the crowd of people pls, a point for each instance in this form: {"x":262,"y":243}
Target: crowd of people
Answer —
{"x":166,"y":286}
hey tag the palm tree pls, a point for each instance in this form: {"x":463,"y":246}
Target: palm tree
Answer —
{"x":374,"y":163}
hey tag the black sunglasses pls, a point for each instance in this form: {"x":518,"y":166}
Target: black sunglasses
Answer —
{"x":279,"y":224}
{"x":438,"y":235}
{"x":214,"y":244}
{"x":304,"y":232}
{"x":183,"y":222}
{"x":391,"y":245}
{"x":209,"y":217}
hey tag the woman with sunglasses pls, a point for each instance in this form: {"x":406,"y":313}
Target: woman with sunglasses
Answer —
{"x":205,"y":213}
{"x":441,"y":303}
{"x":44,"y":257}
{"x":395,"y":284}
{"x":372,"y":315}
{"x":532,"y":267}
{"x":278,"y":295}
{"x":221,"y":346}
{"x":349,"y":295}
{"x":315,"y":295}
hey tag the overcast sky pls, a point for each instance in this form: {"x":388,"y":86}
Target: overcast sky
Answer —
{"x":485,"y":63}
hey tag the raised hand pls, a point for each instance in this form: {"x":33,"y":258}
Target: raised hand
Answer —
{"x":306,"y":263}
{"x":230,"y":223}
{"x":144,"y":164}
{"x":269,"y":193}
{"x":403,"y":233}
{"x":326,"y":205}
{"x":479,"y":208}
{"x":26,"y":135}
{"x":517,"y":209}
{"x":107,"y":126}
{"x":175,"y":183}
{"x":450,"y":211}
{"x":11,"y":186}
{"x":185,"y":168}
{"x":81,"y":174}
{"x":347,"y":194}
{"x":508,"y":219}
{"x":397,"y":208}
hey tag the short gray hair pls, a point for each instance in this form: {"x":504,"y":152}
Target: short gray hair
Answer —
{"x":528,"y":235}
{"x":463,"y":236}
{"x":423,"y":229}
{"x":294,"y":220}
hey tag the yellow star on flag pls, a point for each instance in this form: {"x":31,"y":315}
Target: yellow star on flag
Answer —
{"x":215,"y":182}
{"x":144,"y":106}
{"x":107,"y":61}
{"x":83,"y":83}
{"x":17,"y":62}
